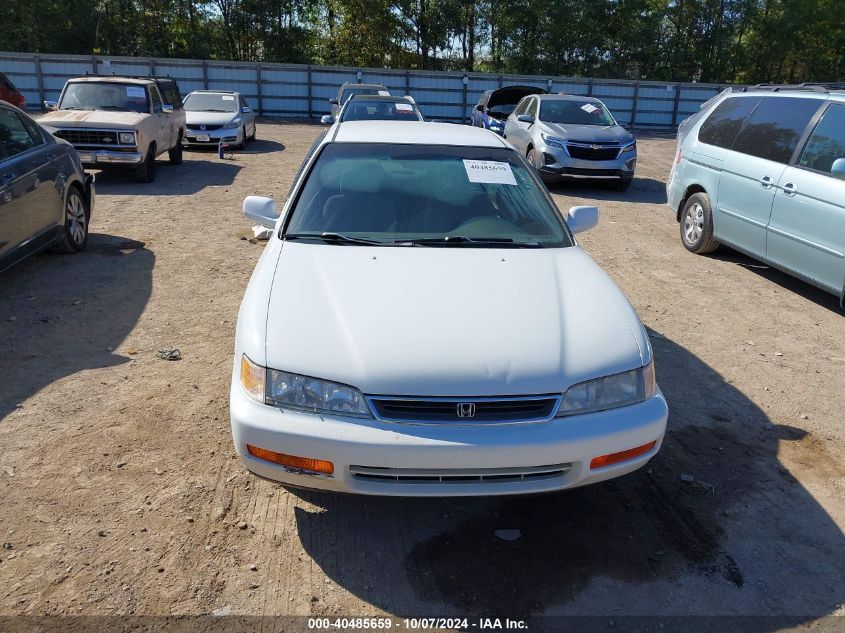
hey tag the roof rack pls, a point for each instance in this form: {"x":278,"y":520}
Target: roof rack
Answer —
{"x":807,"y":85}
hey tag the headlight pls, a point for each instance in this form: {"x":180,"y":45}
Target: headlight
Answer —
{"x":631,"y":147}
{"x":314,"y":395}
{"x":554,"y":141}
{"x":232,"y":125}
{"x":495,"y":123}
{"x":609,"y":392}
{"x":303,"y":393}
{"x":127,"y":138}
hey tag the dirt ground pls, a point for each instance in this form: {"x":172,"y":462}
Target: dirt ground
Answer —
{"x":121,"y":493}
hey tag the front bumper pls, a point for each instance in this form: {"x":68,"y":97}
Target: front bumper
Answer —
{"x":100,"y":157}
{"x":557,"y":164}
{"x":353,"y":445}
{"x":212,"y":137}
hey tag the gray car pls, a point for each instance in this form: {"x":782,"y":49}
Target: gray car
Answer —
{"x":45,"y":196}
{"x":212,"y":116}
{"x":569,"y":136}
{"x":349,"y":88}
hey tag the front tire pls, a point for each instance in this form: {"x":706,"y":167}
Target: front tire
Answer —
{"x":242,"y":144}
{"x":174,"y":154}
{"x":254,"y":132}
{"x":697,"y":225}
{"x":147,"y":171}
{"x":622,"y":185}
{"x":74,"y":238}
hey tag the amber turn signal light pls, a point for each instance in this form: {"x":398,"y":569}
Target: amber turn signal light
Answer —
{"x":615,"y":458}
{"x":292,"y":461}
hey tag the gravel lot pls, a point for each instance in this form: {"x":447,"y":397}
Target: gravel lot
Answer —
{"x":122,"y":495}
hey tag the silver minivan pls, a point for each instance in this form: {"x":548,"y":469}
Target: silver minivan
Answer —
{"x":763,"y":171}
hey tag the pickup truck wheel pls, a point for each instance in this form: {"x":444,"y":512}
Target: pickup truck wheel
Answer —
{"x":175,"y":153}
{"x":147,"y":170}
{"x":697,"y":225}
{"x":74,"y":238}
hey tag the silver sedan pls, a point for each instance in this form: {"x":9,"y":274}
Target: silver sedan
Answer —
{"x":215,"y":116}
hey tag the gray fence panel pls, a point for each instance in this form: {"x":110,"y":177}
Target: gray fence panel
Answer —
{"x":300,"y":91}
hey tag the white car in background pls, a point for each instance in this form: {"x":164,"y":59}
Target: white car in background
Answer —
{"x":215,"y":115}
{"x":423,"y":322}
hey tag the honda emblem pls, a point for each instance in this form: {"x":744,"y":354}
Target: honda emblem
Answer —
{"x":466,"y":409}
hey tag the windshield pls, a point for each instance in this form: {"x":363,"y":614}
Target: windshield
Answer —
{"x":371,"y":110}
{"x":91,"y":95}
{"x":573,"y":112}
{"x":199,"y":102}
{"x":361,"y":91}
{"x":403,"y":193}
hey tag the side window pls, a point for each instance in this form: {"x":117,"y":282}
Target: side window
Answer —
{"x":15,"y":138}
{"x":723,"y":124}
{"x":533,"y":107}
{"x":170,"y":92}
{"x":521,"y":107}
{"x":827,"y":142}
{"x":243,"y":103}
{"x":155,"y":100}
{"x":33,"y":129}
{"x":775,"y":127}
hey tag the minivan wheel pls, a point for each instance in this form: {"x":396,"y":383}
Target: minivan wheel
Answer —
{"x":74,"y":238}
{"x":697,"y":225}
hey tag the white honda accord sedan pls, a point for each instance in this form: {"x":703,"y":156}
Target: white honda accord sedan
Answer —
{"x":423,"y":322}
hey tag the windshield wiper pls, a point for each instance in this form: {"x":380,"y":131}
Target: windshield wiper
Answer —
{"x":211,"y":110}
{"x":332,"y":238}
{"x":462,"y":240}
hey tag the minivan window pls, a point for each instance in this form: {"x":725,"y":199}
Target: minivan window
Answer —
{"x":400,"y":193}
{"x":723,"y":124}
{"x":775,"y":127}
{"x":827,"y":142}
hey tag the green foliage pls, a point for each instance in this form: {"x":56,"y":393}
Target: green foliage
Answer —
{"x":746,"y":41}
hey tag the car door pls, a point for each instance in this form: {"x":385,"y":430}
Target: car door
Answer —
{"x":753,"y":167}
{"x":247,"y":115}
{"x":516,"y":130}
{"x":807,"y":229}
{"x":162,"y":121}
{"x":45,"y":160}
{"x":21,"y":192}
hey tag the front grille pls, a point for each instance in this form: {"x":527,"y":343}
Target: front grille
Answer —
{"x":578,"y":171}
{"x":98,"y":138}
{"x":589,"y":152}
{"x":204,"y":128}
{"x":459,"y":475}
{"x":475,"y":410}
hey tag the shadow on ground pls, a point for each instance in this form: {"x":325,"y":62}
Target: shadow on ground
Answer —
{"x":788,"y":282}
{"x":646,"y":190}
{"x":745,"y":527}
{"x":191,"y":177}
{"x":60,"y":314}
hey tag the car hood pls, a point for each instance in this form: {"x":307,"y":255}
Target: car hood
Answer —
{"x":209,"y":118}
{"x":512,"y":94}
{"x":92,"y":118}
{"x":448,"y":321}
{"x":588,"y":133}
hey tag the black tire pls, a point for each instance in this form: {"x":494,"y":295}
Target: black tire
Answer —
{"x":254,"y":132}
{"x":146,"y":172}
{"x":243,"y":139}
{"x":622,"y":185}
{"x":75,"y":235}
{"x":174,"y":154}
{"x":697,"y":225}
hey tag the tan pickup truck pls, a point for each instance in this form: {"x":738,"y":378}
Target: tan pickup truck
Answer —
{"x":120,"y":121}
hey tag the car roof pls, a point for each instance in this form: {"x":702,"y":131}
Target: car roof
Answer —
{"x":113,"y":79}
{"x":387,"y":98}
{"x":560,"y":97}
{"x":415,"y":133}
{"x":214,"y":92}
{"x":346,"y":84}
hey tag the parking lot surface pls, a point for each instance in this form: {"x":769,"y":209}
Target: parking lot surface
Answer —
{"x":122,"y":494}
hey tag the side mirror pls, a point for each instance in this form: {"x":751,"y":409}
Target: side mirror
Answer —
{"x":333,"y":101}
{"x":837,"y":170}
{"x":327,"y":119}
{"x":167,"y":108}
{"x":525,"y":118}
{"x":261,"y":210}
{"x":246,"y":109}
{"x":582,"y":218}
{"x":51,"y":105}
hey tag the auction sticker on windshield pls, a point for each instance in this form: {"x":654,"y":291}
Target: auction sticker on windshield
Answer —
{"x":489,"y":172}
{"x":589,"y":108}
{"x":404,"y":107}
